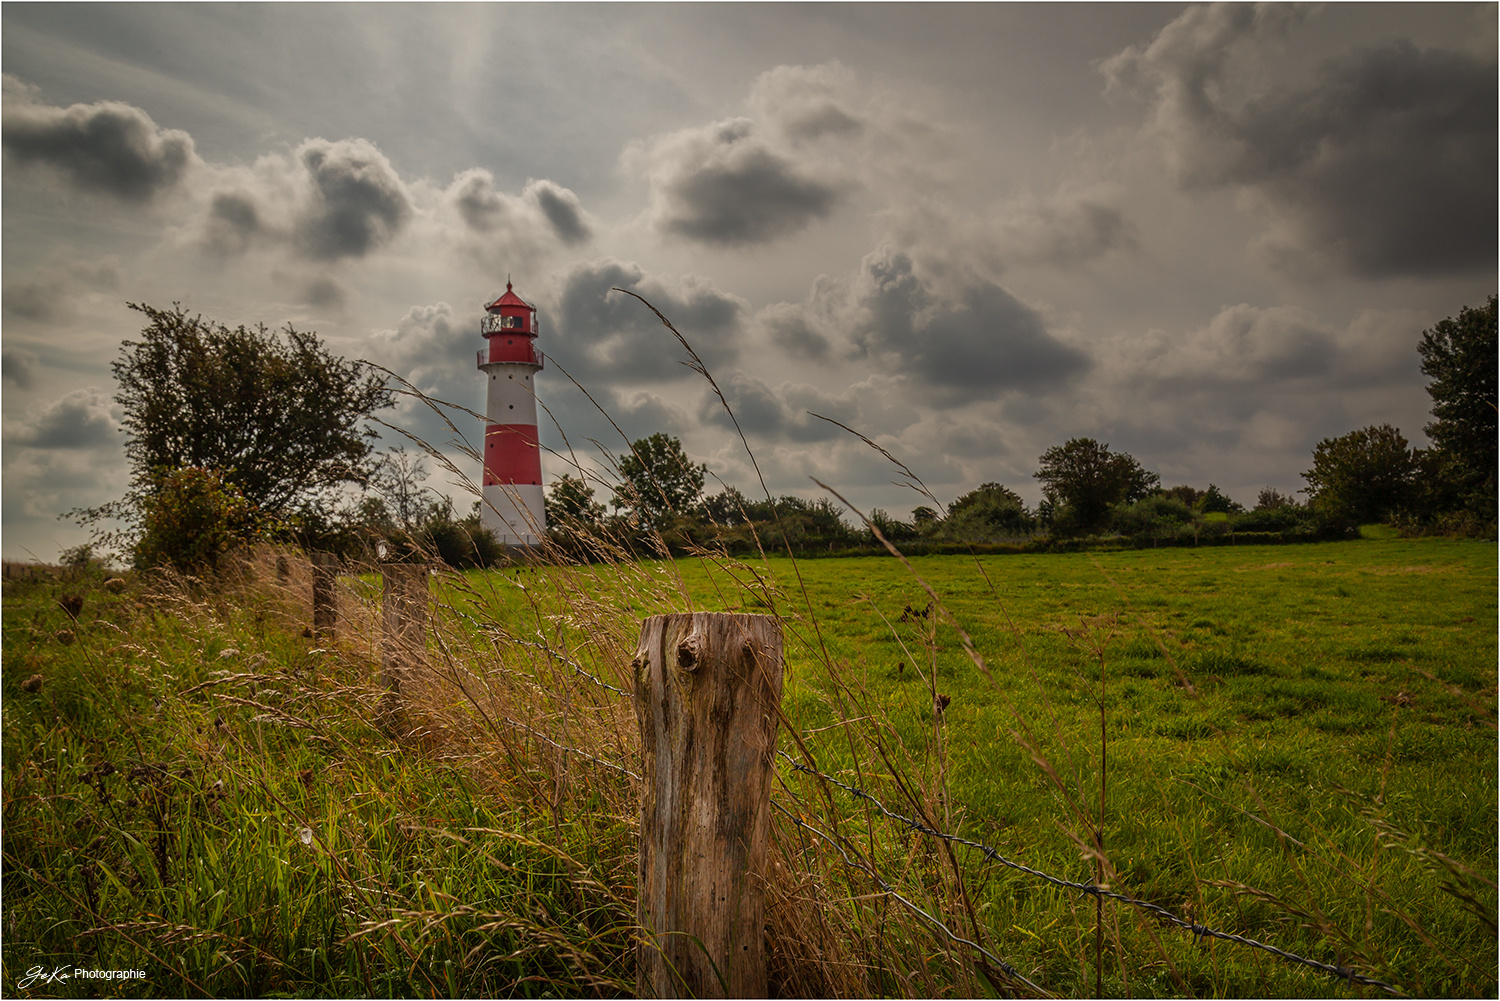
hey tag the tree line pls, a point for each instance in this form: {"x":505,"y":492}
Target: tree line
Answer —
{"x":1370,"y":475}
{"x":236,"y":435}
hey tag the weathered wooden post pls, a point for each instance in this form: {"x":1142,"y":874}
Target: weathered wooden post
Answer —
{"x":707,"y":695}
{"x":325,"y":610}
{"x":403,"y":638}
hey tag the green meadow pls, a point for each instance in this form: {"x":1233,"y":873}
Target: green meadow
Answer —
{"x":1291,"y":744}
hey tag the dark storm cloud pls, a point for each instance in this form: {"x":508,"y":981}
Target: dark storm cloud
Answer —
{"x":33,"y":300}
{"x":564,"y":412}
{"x":233,"y":223}
{"x":1389,"y":165}
{"x":794,"y":331}
{"x":603,"y":334}
{"x":1383,"y":164}
{"x":51,"y":292}
{"x":79,"y":420}
{"x":1260,"y":385}
{"x":1240,"y":351}
{"x":429,"y":348}
{"x":723,"y":185}
{"x":562,"y":210}
{"x":1063,"y":232}
{"x":480,"y":206}
{"x":433,"y":348}
{"x":495,"y":226}
{"x":325,"y":292}
{"x":784,"y":415}
{"x":19,"y":368}
{"x":358,"y":200}
{"x":978,"y":341}
{"x":808,"y":103}
{"x":108,"y":147}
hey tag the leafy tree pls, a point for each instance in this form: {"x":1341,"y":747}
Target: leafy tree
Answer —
{"x":1189,"y":496}
{"x":810,"y":524}
{"x":397,"y":479}
{"x":658,"y":480}
{"x":460,"y":544}
{"x":727,"y":507}
{"x":1269,"y":499}
{"x":1159,"y":515}
{"x":191,"y":517}
{"x":988,"y":512}
{"x":893,"y":529}
{"x":570,"y":504}
{"x":1459,"y":355}
{"x":278,"y":415}
{"x":1083,"y":480}
{"x":1215,"y":502}
{"x":1363,"y":477}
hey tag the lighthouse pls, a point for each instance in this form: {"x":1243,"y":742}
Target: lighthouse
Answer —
{"x":512,"y":461}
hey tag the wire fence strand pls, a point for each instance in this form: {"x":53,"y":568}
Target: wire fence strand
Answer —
{"x":1199,"y":931}
{"x":891,"y":892}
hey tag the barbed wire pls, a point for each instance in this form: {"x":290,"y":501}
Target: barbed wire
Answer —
{"x":500,"y":635}
{"x":1345,"y":973}
{"x":577,"y":668}
{"x":891,"y":891}
{"x":570,"y":750}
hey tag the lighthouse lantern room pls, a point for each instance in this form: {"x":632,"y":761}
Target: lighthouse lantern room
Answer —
{"x":512,"y":459}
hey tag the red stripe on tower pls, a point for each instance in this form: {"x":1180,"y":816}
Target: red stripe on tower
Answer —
{"x":511,"y":455}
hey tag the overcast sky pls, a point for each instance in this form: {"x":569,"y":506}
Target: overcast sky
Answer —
{"x":1209,"y":236}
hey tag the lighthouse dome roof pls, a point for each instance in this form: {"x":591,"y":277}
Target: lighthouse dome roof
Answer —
{"x":508,"y":299}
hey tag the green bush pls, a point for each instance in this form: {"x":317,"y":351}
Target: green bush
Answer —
{"x":191,"y":518}
{"x":1277,"y":519}
{"x":1159,"y":516}
{"x":987,"y":514}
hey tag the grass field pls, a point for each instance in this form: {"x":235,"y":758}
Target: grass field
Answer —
{"x":1295,"y":744}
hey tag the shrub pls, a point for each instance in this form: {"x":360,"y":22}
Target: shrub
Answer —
{"x":1159,"y":515}
{"x":987,"y":513}
{"x":191,"y":518}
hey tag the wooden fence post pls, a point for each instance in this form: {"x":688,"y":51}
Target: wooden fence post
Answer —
{"x":403,"y":638}
{"x":325,"y":610}
{"x":707,"y":695}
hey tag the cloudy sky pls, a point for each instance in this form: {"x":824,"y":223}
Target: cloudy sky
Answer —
{"x":1209,"y":236}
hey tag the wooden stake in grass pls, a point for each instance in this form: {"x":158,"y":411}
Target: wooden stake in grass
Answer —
{"x":403,"y":634}
{"x":325,"y":611}
{"x":708,"y":695}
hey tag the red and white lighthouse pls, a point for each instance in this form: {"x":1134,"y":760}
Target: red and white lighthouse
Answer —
{"x":512,"y":459}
